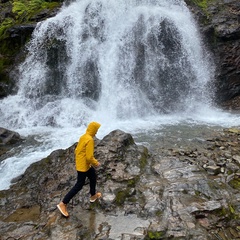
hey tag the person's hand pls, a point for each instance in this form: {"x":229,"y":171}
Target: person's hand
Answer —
{"x":98,"y":164}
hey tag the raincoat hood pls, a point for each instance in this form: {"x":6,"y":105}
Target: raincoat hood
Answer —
{"x":93,"y":128}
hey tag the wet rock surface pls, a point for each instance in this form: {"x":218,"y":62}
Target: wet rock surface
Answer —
{"x":8,"y":140}
{"x":8,"y":137}
{"x":181,"y":192}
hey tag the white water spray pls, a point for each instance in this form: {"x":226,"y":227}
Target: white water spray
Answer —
{"x":127,"y":59}
{"x":116,"y":62}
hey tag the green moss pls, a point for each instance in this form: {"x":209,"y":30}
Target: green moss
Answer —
{"x":155,"y":235}
{"x":231,"y":209}
{"x":197,"y":193}
{"x":228,"y":213}
{"x":50,"y":5}
{"x":201,"y":3}
{"x":233,"y":213}
{"x":19,"y":8}
{"x":95,"y":205}
{"x":132,"y":182}
{"x":159,"y":213}
{"x":47,"y":161}
{"x":144,"y":158}
{"x":123,"y":194}
{"x":121,"y":197}
{"x":133,"y":199}
{"x":8,"y":22}
{"x":23,"y":11}
{"x":235,"y":183}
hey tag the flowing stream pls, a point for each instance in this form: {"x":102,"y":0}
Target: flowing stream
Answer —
{"x":139,"y":66}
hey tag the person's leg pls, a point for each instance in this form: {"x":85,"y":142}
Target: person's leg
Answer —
{"x":76,"y":188}
{"x":62,"y":206}
{"x":91,"y":174}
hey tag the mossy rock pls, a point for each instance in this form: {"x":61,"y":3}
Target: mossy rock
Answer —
{"x":155,"y":235}
{"x":203,"y":4}
{"x":17,"y":22}
{"x":121,"y":196}
{"x":235,"y":183}
{"x":144,"y":159}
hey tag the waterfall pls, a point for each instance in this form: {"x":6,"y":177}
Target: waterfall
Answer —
{"x":129,"y":64}
{"x":118,"y":59}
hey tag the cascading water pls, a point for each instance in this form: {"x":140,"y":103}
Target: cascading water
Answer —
{"x":116,"y":62}
{"x":126,"y":60}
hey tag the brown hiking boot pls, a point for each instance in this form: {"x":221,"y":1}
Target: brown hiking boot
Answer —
{"x":95,"y":197}
{"x":63,"y":209}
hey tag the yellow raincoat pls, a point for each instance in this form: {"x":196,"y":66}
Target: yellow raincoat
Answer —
{"x":84,"y":152}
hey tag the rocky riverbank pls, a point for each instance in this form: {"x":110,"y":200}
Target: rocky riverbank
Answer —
{"x":187,"y":192}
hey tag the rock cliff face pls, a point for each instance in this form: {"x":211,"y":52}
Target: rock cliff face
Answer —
{"x":175,"y":194}
{"x":17,"y":22}
{"x":220,"y":25}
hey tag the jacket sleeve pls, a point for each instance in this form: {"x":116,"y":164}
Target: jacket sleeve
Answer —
{"x":90,"y":153}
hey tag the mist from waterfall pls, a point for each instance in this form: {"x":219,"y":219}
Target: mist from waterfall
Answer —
{"x":132,"y":65}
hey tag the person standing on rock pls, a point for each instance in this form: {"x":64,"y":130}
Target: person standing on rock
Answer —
{"x":85,"y":163}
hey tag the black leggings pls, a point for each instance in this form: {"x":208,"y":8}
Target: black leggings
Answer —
{"x":81,"y":177}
